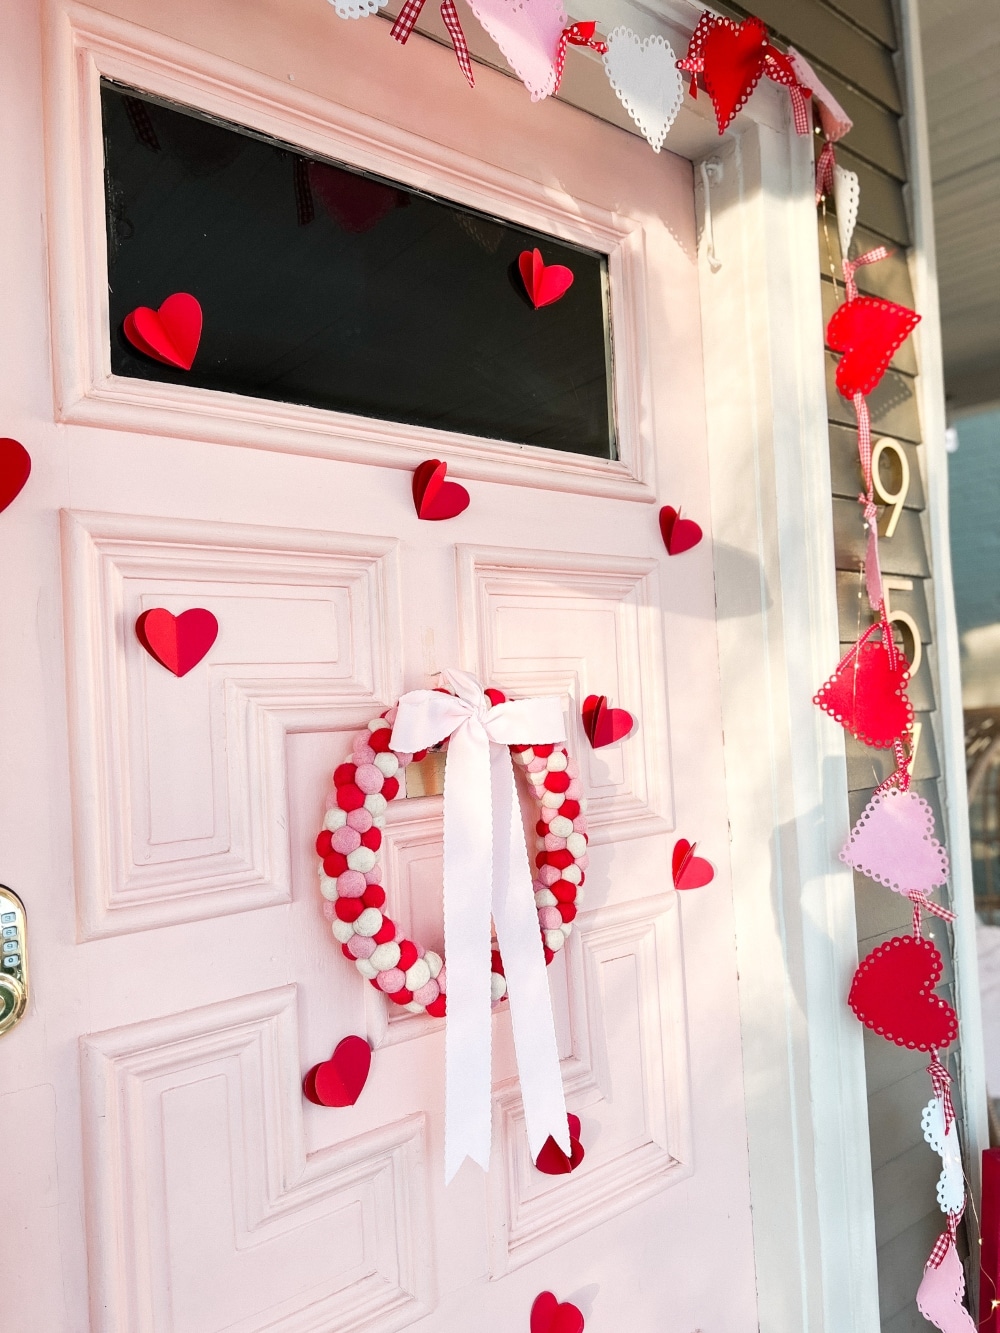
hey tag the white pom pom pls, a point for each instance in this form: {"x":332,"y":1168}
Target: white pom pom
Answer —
{"x":526,"y":756}
{"x":573,"y":874}
{"x":343,"y":930}
{"x":498,"y":987}
{"x":418,"y":975}
{"x":378,"y":724}
{"x":384,"y":957}
{"x":545,"y":898}
{"x":387,"y":763}
{"x":369,"y":922}
{"x":553,"y":799}
{"x":363,"y":859}
{"x":434,"y":962}
{"x":327,"y":886}
{"x":366,"y":969}
{"x":334,"y":819}
{"x":378,"y":821}
{"x":556,"y":761}
{"x":555,"y":940}
{"x":576,"y":845}
{"x":567,"y":930}
{"x":582,"y":803}
{"x":376,"y":803}
{"x":561,"y":827}
{"x":414,"y":1008}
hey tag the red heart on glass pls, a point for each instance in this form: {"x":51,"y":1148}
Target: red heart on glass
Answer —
{"x":867,"y":695}
{"x":433,"y":497}
{"x":548,"y":1316}
{"x":604,"y":725}
{"x":690,"y":871}
{"x":340,"y":1080}
{"x":868,"y":331}
{"x":15,"y":467}
{"x":553,"y":1161}
{"x":893,"y":994}
{"x":544,"y":283}
{"x":177,"y":642}
{"x":679,"y":534}
{"x":170,"y":334}
{"x":734,"y":61}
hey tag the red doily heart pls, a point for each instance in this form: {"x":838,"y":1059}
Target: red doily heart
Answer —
{"x":867,"y":695}
{"x":170,"y":334}
{"x":15,"y":466}
{"x":340,"y":1080}
{"x":690,"y":871}
{"x":893,"y":994}
{"x":548,"y":1316}
{"x":868,"y":331}
{"x":553,"y":1161}
{"x":679,"y":534}
{"x":734,"y":61}
{"x":604,"y":725}
{"x":433,"y":497}
{"x":177,"y":642}
{"x":544,"y":283}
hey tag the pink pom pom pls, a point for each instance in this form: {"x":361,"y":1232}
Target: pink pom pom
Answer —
{"x":536,"y":766}
{"x":583,"y":862}
{"x":350,"y":884}
{"x":572,"y":768}
{"x":579,"y":824}
{"x":549,"y":918}
{"x":552,"y":843}
{"x":547,"y":814}
{"x":403,"y":758}
{"x":537,"y":886}
{"x":373,"y":876}
{"x":391,"y":980}
{"x":362,"y":946}
{"x":574,"y":791}
{"x":329,"y":910}
{"x":442,"y":981}
{"x":548,"y":875}
{"x":362,"y":752}
{"x":390,"y":716}
{"x":369,"y":779}
{"x":360,"y":819}
{"x":428,"y":993}
{"x":346,"y":840}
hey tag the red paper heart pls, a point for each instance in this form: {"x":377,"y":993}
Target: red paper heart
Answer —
{"x":544,"y":283}
{"x":340,"y":1080}
{"x":868,"y":331}
{"x":177,"y":642}
{"x":170,"y":334}
{"x":892,"y":993}
{"x":433,"y":497}
{"x":548,"y":1316}
{"x":604,"y":725}
{"x":867,"y":695}
{"x":679,"y":534}
{"x":15,"y":466}
{"x":553,"y":1161}
{"x":690,"y":871}
{"x":734,"y":61}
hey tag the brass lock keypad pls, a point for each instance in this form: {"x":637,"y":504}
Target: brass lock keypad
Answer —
{"x":13,"y":959}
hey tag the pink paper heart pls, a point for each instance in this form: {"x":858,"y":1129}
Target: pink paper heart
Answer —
{"x":529,"y":37}
{"x":893,"y":843}
{"x":939,"y":1296}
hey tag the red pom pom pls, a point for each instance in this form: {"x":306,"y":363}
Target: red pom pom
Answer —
{"x":379,"y":740}
{"x":346,"y":952}
{"x":349,"y":909}
{"x":543,"y":751}
{"x":496,"y":963}
{"x":418,"y":755}
{"x":324,"y":843}
{"x":569,"y":809}
{"x":372,"y":839}
{"x":557,"y":781}
{"x":562,"y":859}
{"x":495,"y":697}
{"x":519,"y":749}
{"x":438,"y":1007}
{"x":335,"y":864}
{"x":390,"y":788}
{"x":401,"y":996}
{"x":541,"y":828}
{"x":373,"y":896}
{"x":350,"y":797}
{"x":344,"y":774}
{"x":407,"y":955}
{"x":388,"y":932}
{"x":567,"y":911}
{"x":563,"y":890}
{"x":549,"y":955}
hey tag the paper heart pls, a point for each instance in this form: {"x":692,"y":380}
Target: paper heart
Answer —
{"x":939,"y":1296}
{"x":170,"y":334}
{"x":646,"y":80}
{"x":867,"y":695}
{"x":15,"y":467}
{"x":604,"y":725}
{"x":529,"y":35}
{"x":893,"y":994}
{"x":679,"y":534}
{"x":893,"y":843}
{"x":734,"y":61}
{"x":868,"y":331}
{"x":544,"y":283}
{"x":951,"y":1182}
{"x":846,"y":198}
{"x":553,"y":1161}
{"x":548,"y":1316}
{"x":433,"y":497}
{"x":340,"y":1080}
{"x":177,"y":642}
{"x":690,"y":871}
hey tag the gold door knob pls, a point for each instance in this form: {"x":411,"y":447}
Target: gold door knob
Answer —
{"x":13,"y":1002}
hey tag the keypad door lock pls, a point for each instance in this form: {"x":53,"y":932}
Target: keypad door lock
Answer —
{"x":13,"y":960}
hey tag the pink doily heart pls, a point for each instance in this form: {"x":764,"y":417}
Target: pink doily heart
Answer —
{"x":528,"y":32}
{"x":893,"y":843}
{"x":939,"y":1296}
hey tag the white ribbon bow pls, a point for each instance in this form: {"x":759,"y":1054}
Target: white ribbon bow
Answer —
{"x":486,"y":867}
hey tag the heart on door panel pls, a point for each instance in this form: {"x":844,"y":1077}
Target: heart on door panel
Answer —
{"x":679,"y":534}
{"x":604,"y":725}
{"x":177,"y":642}
{"x":544,"y":283}
{"x":170,"y":334}
{"x":552,"y":1161}
{"x":15,"y":466}
{"x":690,"y":871}
{"x":340,"y":1080}
{"x":548,"y":1316}
{"x":435,"y":498}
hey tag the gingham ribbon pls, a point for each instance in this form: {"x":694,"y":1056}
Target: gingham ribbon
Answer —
{"x":941,"y":1080}
{"x":824,"y":172}
{"x":777,"y":67}
{"x":577,"y":34}
{"x":406,"y":21}
{"x":921,"y":903}
{"x":779,"y":70}
{"x":945,"y":1241}
{"x":852,"y":265}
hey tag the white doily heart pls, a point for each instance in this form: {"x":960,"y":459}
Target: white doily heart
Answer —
{"x":357,"y":9}
{"x":951,"y":1183}
{"x":846,"y":197}
{"x":528,"y":32}
{"x":646,"y":80}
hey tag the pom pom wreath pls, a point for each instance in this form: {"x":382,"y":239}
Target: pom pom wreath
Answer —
{"x":350,"y":842}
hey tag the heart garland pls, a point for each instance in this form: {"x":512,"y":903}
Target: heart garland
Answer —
{"x":939,"y":1296}
{"x":690,"y":871}
{"x":544,"y":283}
{"x":15,"y":468}
{"x":177,"y":642}
{"x":679,"y":534}
{"x":892,"y":993}
{"x":944,"y":1141}
{"x":340,"y":1080}
{"x":646,"y":81}
{"x":868,"y":331}
{"x":434,"y":498}
{"x":893,"y":843}
{"x":604,"y":725}
{"x":867,"y":692}
{"x":529,"y":36}
{"x":548,"y":1316}
{"x":170,"y":334}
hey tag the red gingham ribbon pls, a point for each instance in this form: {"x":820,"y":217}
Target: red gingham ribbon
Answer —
{"x":406,"y":21}
{"x":945,"y":1241}
{"x":941,"y":1080}
{"x":921,"y":903}
{"x":777,"y":67}
{"x":577,"y":34}
{"x":852,"y":265}
{"x":824,"y":172}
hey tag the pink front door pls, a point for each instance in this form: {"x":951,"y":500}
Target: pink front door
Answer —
{"x":164,"y":1173}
